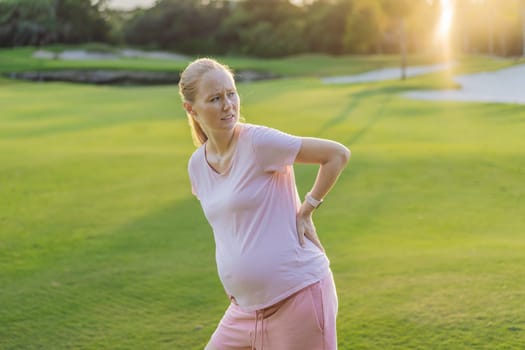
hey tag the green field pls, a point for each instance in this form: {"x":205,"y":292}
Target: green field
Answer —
{"x":102,"y":245}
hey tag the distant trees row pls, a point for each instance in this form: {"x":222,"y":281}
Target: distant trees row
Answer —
{"x":34,"y":22}
{"x":268,"y":28}
{"x":491,"y":26}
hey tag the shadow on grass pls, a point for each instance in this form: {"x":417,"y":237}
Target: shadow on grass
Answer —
{"x":149,"y":281}
{"x":356,"y":100}
{"x":178,"y":233}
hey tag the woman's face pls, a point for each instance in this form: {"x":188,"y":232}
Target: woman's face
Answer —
{"x":216,"y":106}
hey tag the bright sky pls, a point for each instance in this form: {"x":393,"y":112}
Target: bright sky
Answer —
{"x":130,"y":4}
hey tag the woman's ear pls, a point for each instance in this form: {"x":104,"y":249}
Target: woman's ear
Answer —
{"x":189,"y":109}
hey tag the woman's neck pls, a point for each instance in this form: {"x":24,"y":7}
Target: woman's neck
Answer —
{"x":220,"y":143}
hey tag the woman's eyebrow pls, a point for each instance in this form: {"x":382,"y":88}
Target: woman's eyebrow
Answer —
{"x":219,"y":92}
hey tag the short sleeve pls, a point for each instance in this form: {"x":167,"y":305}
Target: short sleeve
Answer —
{"x":275,"y":150}
{"x":193,"y":190}
{"x":192,"y":176}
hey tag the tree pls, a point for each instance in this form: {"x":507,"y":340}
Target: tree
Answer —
{"x":502,"y":20}
{"x":399,"y":10}
{"x":463,"y":23}
{"x":364,"y":27}
{"x":29,"y":22}
{"x":422,"y":25}
{"x":507,"y":24}
{"x":80,"y":21}
{"x":489,"y":26}
{"x":522,"y":2}
{"x":26,"y":22}
{"x":188,"y":26}
{"x":268,"y":29}
{"x":325,"y":25}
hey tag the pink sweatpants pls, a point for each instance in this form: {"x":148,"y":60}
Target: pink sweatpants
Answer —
{"x":304,"y":321}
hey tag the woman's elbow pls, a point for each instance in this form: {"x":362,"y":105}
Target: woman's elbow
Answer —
{"x":343,"y":154}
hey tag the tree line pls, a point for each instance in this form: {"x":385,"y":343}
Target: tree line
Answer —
{"x":269,"y":28}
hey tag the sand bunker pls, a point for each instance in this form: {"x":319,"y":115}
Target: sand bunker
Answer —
{"x":386,"y":74}
{"x":503,"y":86}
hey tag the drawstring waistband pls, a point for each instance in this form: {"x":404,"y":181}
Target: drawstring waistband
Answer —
{"x":259,"y":313}
{"x":266,"y":313}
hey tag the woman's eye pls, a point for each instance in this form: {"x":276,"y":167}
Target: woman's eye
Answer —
{"x":231,"y":94}
{"x":216,"y":98}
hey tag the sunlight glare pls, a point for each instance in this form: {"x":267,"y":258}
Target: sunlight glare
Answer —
{"x":445,"y":21}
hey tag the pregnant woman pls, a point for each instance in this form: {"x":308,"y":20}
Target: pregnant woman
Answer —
{"x":269,"y":257}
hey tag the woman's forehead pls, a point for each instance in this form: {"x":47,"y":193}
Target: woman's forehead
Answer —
{"x":217,"y":80}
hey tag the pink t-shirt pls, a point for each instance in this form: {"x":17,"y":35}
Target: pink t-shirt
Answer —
{"x":252,"y":210}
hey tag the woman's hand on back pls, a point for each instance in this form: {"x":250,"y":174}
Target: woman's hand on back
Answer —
{"x":306,"y":228}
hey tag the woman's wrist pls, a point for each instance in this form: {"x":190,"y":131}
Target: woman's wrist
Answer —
{"x":306,"y":209}
{"x":315,"y":203}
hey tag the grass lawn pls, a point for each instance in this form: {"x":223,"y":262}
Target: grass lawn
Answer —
{"x":102,"y":245}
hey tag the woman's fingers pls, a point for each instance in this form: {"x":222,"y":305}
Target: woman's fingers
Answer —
{"x":312,"y":236}
{"x":300,"y":232}
{"x":306,"y":228}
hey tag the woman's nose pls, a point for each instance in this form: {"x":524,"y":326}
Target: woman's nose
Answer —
{"x":228,"y":103}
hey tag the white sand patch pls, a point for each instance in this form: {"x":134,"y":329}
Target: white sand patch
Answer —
{"x":90,"y":55}
{"x":47,"y":55}
{"x":386,"y":74}
{"x":70,"y":55}
{"x":159,"y":55}
{"x":503,"y":86}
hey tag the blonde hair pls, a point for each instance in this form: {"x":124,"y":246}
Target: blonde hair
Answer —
{"x":189,"y":80}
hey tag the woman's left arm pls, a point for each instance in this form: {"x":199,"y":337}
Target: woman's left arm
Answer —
{"x":332,"y":157}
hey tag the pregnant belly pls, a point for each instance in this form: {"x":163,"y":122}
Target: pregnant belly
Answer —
{"x":249,"y":274}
